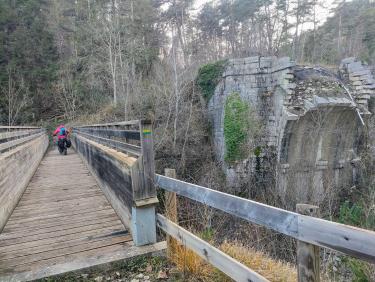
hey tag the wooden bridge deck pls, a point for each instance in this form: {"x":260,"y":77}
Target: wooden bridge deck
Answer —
{"x":63,"y":222}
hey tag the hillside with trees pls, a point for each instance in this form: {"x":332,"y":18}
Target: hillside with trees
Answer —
{"x":60,"y":59}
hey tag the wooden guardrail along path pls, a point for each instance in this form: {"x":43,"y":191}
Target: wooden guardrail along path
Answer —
{"x":346,"y":239}
{"x":121,"y":158}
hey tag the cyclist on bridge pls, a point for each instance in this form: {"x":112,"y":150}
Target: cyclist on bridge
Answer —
{"x":62,"y":139}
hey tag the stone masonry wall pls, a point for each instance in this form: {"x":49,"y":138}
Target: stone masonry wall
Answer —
{"x":311,"y":122}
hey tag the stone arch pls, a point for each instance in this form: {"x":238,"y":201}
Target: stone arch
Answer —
{"x":318,"y":151}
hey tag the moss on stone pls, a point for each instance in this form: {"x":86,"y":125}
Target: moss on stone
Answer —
{"x":209,"y":76}
{"x":236,"y":127}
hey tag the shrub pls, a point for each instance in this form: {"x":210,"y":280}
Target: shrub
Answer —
{"x":209,"y":76}
{"x":351,"y":214}
{"x":239,"y":122}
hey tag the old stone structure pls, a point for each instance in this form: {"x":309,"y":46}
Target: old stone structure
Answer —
{"x":312,"y":120}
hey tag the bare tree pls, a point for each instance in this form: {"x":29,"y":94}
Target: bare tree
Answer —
{"x":17,"y":96}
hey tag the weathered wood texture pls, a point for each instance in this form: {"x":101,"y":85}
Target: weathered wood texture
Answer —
{"x":87,"y":259}
{"x":145,"y":186}
{"x":7,"y":128}
{"x":7,"y":146}
{"x":10,"y":135}
{"x":346,"y":239}
{"x":63,"y":222}
{"x":128,"y":182}
{"x":118,"y":123}
{"x":144,"y":193}
{"x":217,"y":258}
{"x":171,"y":212}
{"x":126,"y":148}
{"x":112,"y":170}
{"x":17,"y":166}
{"x":308,"y":255}
{"x":171,"y":198}
{"x":108,"y":133}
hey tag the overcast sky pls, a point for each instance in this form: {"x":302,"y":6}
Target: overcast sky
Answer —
{"x":322,"y":13}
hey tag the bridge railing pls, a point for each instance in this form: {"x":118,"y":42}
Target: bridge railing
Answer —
{"x":12,"y":136}
{"x":120,"y":156}
{"x":122,"y":136}
{"x":352,"y":241}
{"x":21,"y":150}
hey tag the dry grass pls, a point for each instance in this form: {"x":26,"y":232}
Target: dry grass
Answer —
{"x":269,"y":268}
{"x":190,"y":263}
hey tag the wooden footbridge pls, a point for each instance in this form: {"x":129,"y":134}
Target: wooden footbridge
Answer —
{"x":97,"y":205}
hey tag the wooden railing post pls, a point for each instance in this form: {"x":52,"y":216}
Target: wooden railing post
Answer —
{"x":144,"y":192}
{"x":308,"y":255}
{"x":171,"y":211}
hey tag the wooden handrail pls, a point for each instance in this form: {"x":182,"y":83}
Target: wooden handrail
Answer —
{"x":123,"y":123}
{"x":129,"y":134}
{"x":129,"y":188}
{"x":10,"y":135}
{"x":115,"y":144}
{"x":217,"y":258}
{"x":18,"y":127}
{"x":346,"y":239}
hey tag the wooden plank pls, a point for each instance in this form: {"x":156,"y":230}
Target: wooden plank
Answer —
{"x":28,"y":206}
{"x":18,"y":127}
{"x":352,"y":241}
{"x":143,"y":220}
{"x":111,"y":169}
{"x":24,"y":228}
{"x":274,"y":218}
{"x":76,"y":241}
{"x":42,"y":216}
{"x":9,"y":145}
{"x":89,"y":200}
{"x":15,"y":134}
{"x":53,"y":199}
{"x":48,"y":186}
{"x":30,"y":221}
{"x":36,"y":244}
{"x":122,"y":123}
{"x":58,"y":197}
{"x":214,"y":256}
{"x":308,"y":255}
{"x":84,"y":205}
{"x":4,"y":264}
{"x":17,"y":168}
{"x":171,"y":212}
{"x":30,"y":194}
{"x":31,"y":231}
{"x":115,"y":144}
{"x":82,"y":260}
{"x":57,"y":234}
{"x":107,"y":133}
{"x":171,"y":199}
{"x":146,"y":165}
{"x":98,"y":201}
{"x":349,"y":240}
{"x":43,"y":230}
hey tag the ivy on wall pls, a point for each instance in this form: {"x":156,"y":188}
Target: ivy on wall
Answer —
{"x":209,"y":76}
{"x":236,"y":127}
